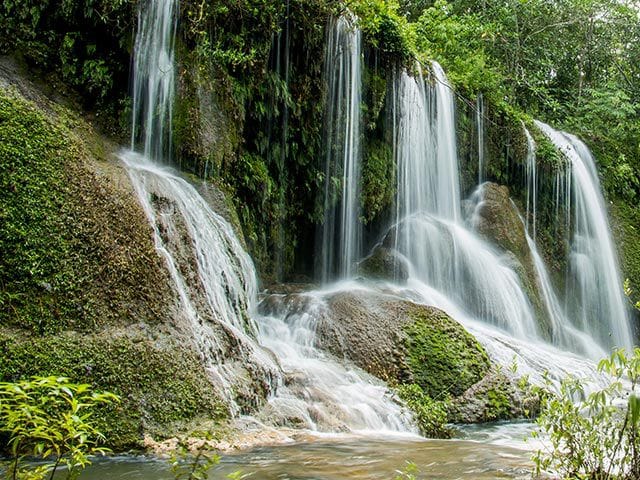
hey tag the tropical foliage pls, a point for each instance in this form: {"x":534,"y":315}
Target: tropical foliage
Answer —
{"x":594,"y":434}
{"x":51,"y":419}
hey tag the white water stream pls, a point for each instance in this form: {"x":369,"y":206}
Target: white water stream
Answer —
{"x":153,"y":77}
{"x":595,"y":301}
{"x":443,"y":252}
{"x":341,"y":244}
{"x":531,"y":185}
{"x":214,"y":277}
{"x":482,"y":174}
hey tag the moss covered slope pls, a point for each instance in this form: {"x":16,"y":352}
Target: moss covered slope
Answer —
{"x":75,"y":248}
{"x":162,"y":385}
{"x":83,"y":292}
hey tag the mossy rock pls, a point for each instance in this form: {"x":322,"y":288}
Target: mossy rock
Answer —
{"x":402,"y":342}
{"x":626,"y":231}
{"x":497,"y":219}
{"x":162,"y":385}
{"x":443,"y":358}
{"x":625,"y":222}
{"x":76,"y":250}
{"x":497,"y":396}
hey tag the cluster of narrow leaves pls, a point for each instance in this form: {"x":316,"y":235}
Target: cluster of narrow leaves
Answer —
{"x":194,"y":457}
{"x":50,"y":419}
{"x":594,"y":435}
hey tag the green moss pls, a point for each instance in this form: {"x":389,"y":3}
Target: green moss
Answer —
{"x":496,"y":397}
{"x":162,"y":386}
{"x":626,"y":230}
{"x":444,"y":359}
{"x":75,"y":248}
{"x":378,"y":179}
{"x":547,"y":154}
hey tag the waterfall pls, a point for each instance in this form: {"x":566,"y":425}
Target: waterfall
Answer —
{"x":594,"y":294}
{"x":212,"y":275}
{"x":272,"y":353}
{"x":249,"y":355}
{"x":447,"y":257}
{"x":341,"y":243}
{"x":564,"y":334}
{"x":531,"y":185}
{"x":480,"y":132}
{"x":153,"y":77}
{"x":322,"y":393}
{"x":425,"y":152}
{"x":445,"y":254}
{"x":446,"y":171}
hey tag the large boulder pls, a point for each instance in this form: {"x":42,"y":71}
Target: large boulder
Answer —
{"x":402,"y":342}
{"x":497,"y":219}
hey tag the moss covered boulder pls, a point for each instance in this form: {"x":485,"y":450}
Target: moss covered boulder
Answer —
{"x":402,"y":342}
{"x":497,"y":396}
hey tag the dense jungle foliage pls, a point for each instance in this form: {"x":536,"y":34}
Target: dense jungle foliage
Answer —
{"x":257,"y":65}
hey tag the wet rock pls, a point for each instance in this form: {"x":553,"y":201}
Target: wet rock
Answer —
{"x":496,"y":397}
{"x":284,"y":304}
{"x":221,"y":204}
{"x":384,"y":264}
{"x":496,"y":218}
{"x":402,"y":342}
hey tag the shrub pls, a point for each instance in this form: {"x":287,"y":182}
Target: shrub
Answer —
{"x":596,"y":437}
{"x":431,"y":415}
{"x":50,"y":418}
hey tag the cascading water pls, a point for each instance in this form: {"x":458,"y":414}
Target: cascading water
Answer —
{"x":595,"y":302}
{"x":214,"y":278}
{"x":428,"y":232}
{"x":450,"y":266}
{"x":480,"y":133}
{"x":212,"y":275}
{"x":153,"y":77}
{"x":328,"y":396}
{"x":531,"y":183}
{"x":342,"y":229}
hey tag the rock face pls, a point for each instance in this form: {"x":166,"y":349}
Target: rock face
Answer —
{"x":161,"y":382}
{"x":496,"y":397}
{"x":85,"y":293}
{"x":497,"y":219}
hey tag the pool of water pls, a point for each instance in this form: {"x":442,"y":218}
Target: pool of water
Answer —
{"x":489,"y":452}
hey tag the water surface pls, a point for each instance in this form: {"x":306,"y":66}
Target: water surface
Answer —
{"x":489,"y":457}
